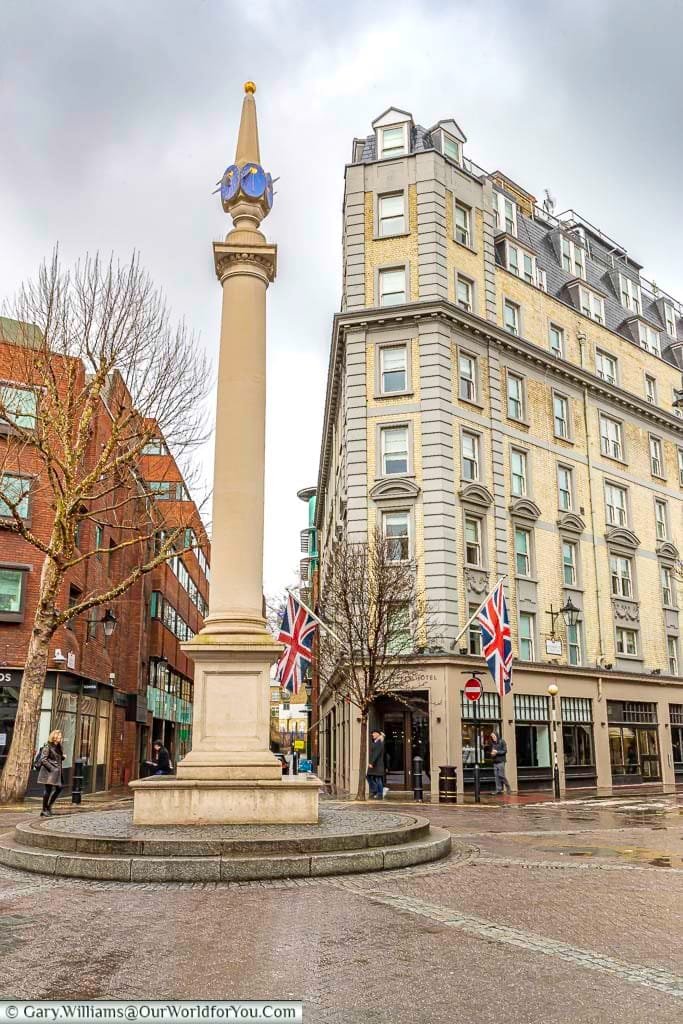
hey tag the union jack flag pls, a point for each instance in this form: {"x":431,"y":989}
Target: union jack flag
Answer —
{"x":296,"y":633}
{"x":496,"y":639}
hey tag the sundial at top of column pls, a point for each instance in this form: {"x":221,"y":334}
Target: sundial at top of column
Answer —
{"x":245,"y":181}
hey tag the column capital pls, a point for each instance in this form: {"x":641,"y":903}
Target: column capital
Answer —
{"x":237,"y":258}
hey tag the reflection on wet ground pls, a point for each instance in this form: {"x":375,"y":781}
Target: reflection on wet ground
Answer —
{"x":634,"y":855}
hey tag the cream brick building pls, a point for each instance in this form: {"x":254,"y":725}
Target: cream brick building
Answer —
{"x":501,"y":399}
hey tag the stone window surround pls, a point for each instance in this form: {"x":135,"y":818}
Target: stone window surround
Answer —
{"x":656,"y":437}
{"x":405,"y":125}
{"x":572,"y":486}
{"x":520,"y":327}
{"x":22,"y":476}
{"x":638,"y":656}
{"x":521,"y":524}
{"x":534,"y":635}
{"x":662,"y":501}
{"x":390,"y":507}
{"x":383,"y":425}
{"x":575,"y":540}
{"x":511,"y":372}
{"x":470,"y":221}
{"x":467,"y":428}
{"x":616,"y":552}
{"x":655,"y":391}
{"x":400,"y":265}
{"x":461,"y":349}
{"x":24,"y":569}
{"x":558,"y":393}
{"x":599,"y":350}
{"x":628,"y":510}
{"x":528,"y":475}
{"x":558,"y":327}
{"x":480,"y":515}
{"x":474,"y":292}
{"x":386,"y":343}
{"x":673,"y":605}
{"x":603,"y":413}
{"x":375,"y":214}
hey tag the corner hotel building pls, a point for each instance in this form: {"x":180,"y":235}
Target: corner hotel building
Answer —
{"x":501,"y":401}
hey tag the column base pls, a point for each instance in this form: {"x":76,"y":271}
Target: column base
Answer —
{"x":164,"y":801}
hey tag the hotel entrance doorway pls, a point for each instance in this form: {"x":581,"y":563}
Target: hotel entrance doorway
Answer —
{"x":404,"y":720}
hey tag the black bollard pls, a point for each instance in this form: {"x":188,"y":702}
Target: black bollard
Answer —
{"x":77,"y":781}
{"x":418,"y":795}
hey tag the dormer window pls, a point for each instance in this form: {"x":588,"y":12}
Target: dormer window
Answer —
{"x":592,"y":305}
{"x":520,"y":263}
{"x":630,"y":294}
{"x":451,"y":148}
{"x":504,"y":213}
{"x":670,"y":320}
{"x":573,"y":258}
{"x":393,"y":141}
{"x":649,"y":338}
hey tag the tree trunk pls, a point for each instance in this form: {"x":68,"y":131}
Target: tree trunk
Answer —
{"x":363,"y":756}
{"x":17,"y":771}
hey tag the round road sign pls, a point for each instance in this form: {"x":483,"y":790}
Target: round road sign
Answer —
{"x":473,"y":689}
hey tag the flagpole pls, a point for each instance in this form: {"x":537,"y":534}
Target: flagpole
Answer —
{"x":314,"y":616}
{"x":474,"y":615}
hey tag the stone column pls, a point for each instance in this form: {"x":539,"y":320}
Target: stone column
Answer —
{"x":230,"y":775}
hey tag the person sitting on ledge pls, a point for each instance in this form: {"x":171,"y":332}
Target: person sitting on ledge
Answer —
{"x":162,"y":759}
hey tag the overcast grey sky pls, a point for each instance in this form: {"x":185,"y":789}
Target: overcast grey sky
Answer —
{"x":118,"y":117}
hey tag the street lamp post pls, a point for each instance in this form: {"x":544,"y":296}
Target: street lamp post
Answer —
{"x":553,"y":690}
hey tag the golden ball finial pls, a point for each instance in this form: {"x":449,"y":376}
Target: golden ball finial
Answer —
{"x":250,"y":87}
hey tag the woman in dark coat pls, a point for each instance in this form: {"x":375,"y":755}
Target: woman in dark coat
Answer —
{"x":375,"y":772}
{"x":49,"y":761}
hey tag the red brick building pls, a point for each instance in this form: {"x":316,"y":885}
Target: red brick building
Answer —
{"x":111,"y":696}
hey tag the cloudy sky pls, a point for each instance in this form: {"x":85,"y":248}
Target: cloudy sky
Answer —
{"x":118,"y":117}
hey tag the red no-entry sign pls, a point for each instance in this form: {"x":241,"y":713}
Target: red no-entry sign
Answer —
{"x":473,"y":689}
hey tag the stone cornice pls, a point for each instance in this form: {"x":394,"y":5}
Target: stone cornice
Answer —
{"x":417,"y":313}
{"x":259,"y":259}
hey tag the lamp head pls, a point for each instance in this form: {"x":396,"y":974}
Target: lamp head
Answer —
{"x":553,"y":689}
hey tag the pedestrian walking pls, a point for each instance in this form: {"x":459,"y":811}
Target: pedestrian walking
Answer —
{"x":162,"y":759}
{"x":375,"y":772}
{"x":499,"y":753}
{"x":385,"y":788}
{"x":49,"y":760}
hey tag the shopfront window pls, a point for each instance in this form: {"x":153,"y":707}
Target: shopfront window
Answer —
{"x":633,"y":742}
{"x":476,"y":735}
{"x":65,"y":721}
{"x":577,"y":740}
{"x":676,"y":716}
{"x":532,"y":734}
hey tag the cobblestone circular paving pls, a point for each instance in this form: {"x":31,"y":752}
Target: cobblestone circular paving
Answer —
{"x":334,"y":820}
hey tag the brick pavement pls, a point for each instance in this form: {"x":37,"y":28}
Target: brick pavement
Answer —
{"x":512,"y":920}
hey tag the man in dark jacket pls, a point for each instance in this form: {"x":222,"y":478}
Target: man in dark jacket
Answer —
{"x":499,"y":753}
{"x":375,"y":772}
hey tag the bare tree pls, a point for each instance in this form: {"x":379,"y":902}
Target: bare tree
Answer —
{"x":371,"y":600}
{"x":103,"y":372}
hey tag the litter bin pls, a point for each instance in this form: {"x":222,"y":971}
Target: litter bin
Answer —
{"x":448,"y":784}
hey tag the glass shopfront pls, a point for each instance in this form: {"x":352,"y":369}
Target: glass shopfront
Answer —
{"x":476,"y":736}
{"x":633,"y":742}
{"x":405,"y":724}
{"x":577,"y":742}
{"x":80,"y":709}
{"x":676,"y":716}
{"x":532,"y":733}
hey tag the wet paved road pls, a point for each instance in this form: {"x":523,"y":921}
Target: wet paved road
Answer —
{"x":569,"y":913}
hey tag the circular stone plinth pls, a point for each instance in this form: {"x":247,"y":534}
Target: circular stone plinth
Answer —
{"x":113,"y":832}
{"x":106,"y":844}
